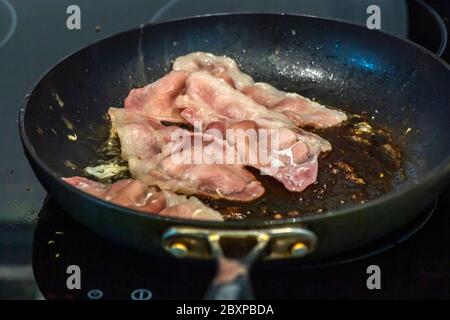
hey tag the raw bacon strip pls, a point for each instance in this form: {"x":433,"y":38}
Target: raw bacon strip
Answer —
{"x":140,"y":136}
{"x":264,"y":93}
{"x":179,"y":206}
{"x":128,"y":193}
{"x":231,"y":182}
{"x":175,"y":169}
{"x":156,"y":99}
{"x":135,"y":195}
{"x":219,"y":67}
{"x":215,"y":103}
{"x":157,"y":164}
{"x":291,"y":159}
{"x":302,"y":111}
{"x":210,"y":99}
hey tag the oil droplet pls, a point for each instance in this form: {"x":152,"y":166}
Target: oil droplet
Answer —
{"x":69,"y":164}
{"x":58,"y":99}
{"x":69,"y":125}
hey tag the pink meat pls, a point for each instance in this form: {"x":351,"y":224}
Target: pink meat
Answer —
{"x":302,"y":111}
{"x":156,"y":100}
{"x":231,"y":182}
{"x":140,"y":136}
{"x":219,"y":67}
{"x":292,"y":161}
{"x":179,"y":206}
{"x":153,"y":160}
{"x":127,"y":193}
{"x":135,"y":195}
{"x":215,"y":104}
{"x":208,"y":99}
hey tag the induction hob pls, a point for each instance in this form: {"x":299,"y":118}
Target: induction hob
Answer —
{"x":38,"y":242}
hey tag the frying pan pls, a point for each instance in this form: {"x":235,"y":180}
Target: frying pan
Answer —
{"x":338,"y":63}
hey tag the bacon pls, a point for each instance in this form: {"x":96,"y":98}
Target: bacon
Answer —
{"x":156,"y":100}
{"x":179,"y":206}
{"x":302,"y":111}
{"x":161,"y":161}
{"x":135,"y":195}
{"x":214,"y":103}
{"x":231,"y":182}
{"x":212,"y":91}
{"x":291,"y":158}
{"x":140,"y":136}
{"x":210,"y":99}
{"x":127,"y":193}
{"x":220,"y":67}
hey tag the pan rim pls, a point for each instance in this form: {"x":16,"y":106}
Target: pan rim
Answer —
{"x":441,"y":170}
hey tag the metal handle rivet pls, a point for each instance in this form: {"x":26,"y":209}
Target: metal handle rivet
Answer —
{"x":178,"y":249}
{"x":299,"y":249}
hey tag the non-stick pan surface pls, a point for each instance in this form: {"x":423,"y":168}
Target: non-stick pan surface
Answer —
{"x":339,"y":64}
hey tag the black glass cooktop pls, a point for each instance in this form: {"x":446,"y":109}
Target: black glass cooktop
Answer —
{"x":110,"y":271}
{"x":38,"y":242}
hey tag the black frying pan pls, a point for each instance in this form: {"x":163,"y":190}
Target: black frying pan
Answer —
{"x":355,"y":68}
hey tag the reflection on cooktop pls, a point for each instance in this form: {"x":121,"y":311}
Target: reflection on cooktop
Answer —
{"x":8,"y":21}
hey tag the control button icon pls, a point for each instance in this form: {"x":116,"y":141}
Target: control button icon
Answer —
{"x":95,"y":294}
{"x":141,"y":294}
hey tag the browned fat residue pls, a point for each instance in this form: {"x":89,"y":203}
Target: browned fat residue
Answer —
{"x":70,"y":164}
{"x":110,"y":161}
{"x":363,"y":165}
{"x":69,"y":125}
{"x":58,"y":100}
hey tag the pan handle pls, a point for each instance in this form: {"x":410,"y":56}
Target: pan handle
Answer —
{"x":232,"y":281}
{"x":235,"y":252}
